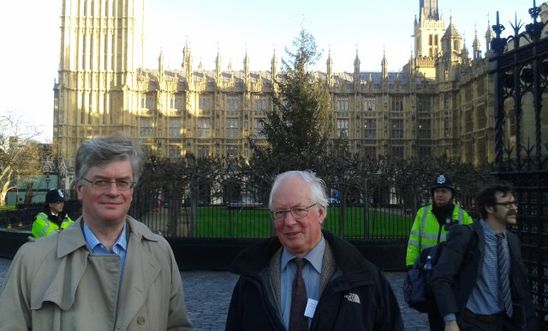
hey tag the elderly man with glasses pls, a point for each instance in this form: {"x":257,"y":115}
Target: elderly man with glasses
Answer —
{"x":305,"y":278}
{"x":105,"y":272}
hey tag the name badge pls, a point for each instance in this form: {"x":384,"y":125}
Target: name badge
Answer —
{"x":310,"y":308}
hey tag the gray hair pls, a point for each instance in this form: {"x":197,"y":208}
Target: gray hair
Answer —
{"x":316,"y":185}
{"x":102,"y":150}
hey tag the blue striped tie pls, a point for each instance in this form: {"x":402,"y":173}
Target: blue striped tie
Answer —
{"x":504,"y":273}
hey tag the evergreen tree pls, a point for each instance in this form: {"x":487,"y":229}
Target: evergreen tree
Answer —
{"x":297,"y":129}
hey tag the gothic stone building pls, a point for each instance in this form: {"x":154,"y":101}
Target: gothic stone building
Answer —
{"x":440,"y":104}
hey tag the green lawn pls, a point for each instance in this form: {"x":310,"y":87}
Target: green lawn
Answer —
{"x":219,"y":222}
{"x":222,"y":222}
{"x":373,"y":223}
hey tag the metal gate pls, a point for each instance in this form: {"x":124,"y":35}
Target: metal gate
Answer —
{"x":519,"y":65}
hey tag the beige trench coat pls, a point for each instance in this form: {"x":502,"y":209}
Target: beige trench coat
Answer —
{"x":54,"y":284}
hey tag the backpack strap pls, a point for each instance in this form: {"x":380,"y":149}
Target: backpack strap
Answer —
{"x":461,"y":214}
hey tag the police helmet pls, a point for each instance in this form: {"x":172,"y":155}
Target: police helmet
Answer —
{"x":443,"y":181}
{"x":54,"y":196}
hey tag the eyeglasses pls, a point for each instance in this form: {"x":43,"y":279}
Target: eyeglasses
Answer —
{"x":103,"y":184}
{"x":296,"y":212}
{"x":508,"y":204}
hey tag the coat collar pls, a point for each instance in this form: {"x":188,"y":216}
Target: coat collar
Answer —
{"x":356,"y":269}
{"x":141,"y":269}
{"x":72,"y":238}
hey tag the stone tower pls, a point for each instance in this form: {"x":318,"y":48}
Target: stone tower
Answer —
{"x":427,"y":33}
{"x":101,"y":50}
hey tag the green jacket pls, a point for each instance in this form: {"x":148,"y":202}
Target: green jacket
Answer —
{"x":426,"y":229}
{"x":43,"y":226}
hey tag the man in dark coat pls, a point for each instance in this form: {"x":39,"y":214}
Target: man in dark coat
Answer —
{"x":479,"y":281}
{"x":305,"y":278}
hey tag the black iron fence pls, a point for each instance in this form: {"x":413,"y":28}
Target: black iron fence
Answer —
{"x":520,"y":75}
{"x":363,"y":213}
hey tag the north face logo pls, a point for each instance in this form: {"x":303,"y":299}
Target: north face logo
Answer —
{"x":352,"y":297}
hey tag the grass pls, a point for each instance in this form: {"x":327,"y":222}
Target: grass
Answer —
{"x":220,"y":222}
{"x":360,"y":223}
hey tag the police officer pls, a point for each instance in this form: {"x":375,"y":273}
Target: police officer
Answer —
{"x":54,"y":218}
{"x":430,"y":228}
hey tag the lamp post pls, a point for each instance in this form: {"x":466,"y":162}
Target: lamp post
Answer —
{"x":417,"y":140}
{"x":48,"y":169}
{"x":62,"y":172}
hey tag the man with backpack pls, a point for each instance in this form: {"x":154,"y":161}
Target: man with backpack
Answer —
{"x":430,"y":228}
{"x":479,"y":281}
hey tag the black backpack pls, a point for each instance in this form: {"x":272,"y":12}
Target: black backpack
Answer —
{"x":416,"y":286}
{"x":417,"y":290}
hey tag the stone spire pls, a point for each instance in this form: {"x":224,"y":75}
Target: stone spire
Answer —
{"x":357,"y":62}
{"x":465,"y":56}
{"x":187,"y":59}
{"x":411,"y":65}
{"x":384,"y":65}
{"x":274,"y":64}
{"x":488,"y":36}
{"x":476,"y":46}
{"x":452,"y":42}
{"x":218,"y":65}
{"x":329,"y":64}
{"x":161,"y":63}
{"x":357,"y":69}
{"x":246,"y":64}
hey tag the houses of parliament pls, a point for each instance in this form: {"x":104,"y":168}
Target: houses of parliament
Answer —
{"x":439,"y":105}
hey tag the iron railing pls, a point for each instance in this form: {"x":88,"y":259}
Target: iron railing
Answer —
{"x":519,"y":67}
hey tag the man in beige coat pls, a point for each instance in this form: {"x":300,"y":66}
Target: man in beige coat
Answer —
{"x":105,"y":272}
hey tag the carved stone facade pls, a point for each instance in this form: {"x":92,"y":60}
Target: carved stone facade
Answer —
{"x":440,"y":104}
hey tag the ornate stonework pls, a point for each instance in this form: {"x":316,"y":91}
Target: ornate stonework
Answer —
{"x":441,"y":103}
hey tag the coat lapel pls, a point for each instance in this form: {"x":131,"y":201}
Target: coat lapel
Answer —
{"x":517,"y":279}
{"x":140,"y":271}
{"x":61,"y":289}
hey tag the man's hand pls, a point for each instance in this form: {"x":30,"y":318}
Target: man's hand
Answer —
{"x":451,"y":326}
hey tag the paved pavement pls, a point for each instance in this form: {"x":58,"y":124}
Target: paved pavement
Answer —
{"x":208,"y":295}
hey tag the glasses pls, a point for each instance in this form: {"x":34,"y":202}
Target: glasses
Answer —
{"x":103,"y":184}
{"x":296,"y":212}
{"x":508,"y":204}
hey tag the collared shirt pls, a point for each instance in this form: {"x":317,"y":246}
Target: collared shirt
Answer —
{"x":311,"y":275}
{"x":96,"y":247}
{"x":484,"y":299}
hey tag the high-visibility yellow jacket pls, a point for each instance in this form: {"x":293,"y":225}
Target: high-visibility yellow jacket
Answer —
{"x":427,"y":231}
{"x":43,"y":226}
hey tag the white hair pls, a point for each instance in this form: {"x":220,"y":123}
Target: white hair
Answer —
{"x":316,"y":185}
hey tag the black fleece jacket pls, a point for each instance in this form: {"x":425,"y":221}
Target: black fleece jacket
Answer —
{"x":358,"y":296}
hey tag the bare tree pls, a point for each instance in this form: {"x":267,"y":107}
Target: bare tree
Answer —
{"x":19,"y":153}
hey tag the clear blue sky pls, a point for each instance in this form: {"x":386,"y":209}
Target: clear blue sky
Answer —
{"x":29,"y":35}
